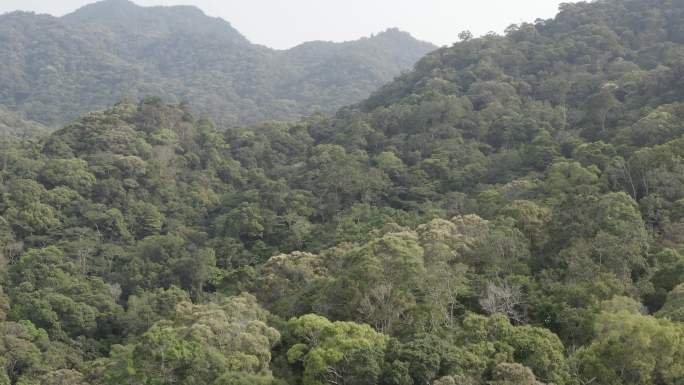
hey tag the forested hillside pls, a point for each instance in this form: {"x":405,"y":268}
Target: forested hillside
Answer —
{"x":55,"y":69}
{"x":511,"y":212}
{"x":12,"y":126}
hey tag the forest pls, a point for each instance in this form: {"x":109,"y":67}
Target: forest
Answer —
{"x":55,"y":69}
{"x":509,"y":212}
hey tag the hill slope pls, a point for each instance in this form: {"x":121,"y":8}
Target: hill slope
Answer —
{"x":55,"y":69}
{"x":510,"y":212}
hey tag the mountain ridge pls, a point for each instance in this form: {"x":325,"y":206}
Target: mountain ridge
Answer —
{"x":127,"y":17}
{"x":61,"y":67}
{"x":511,"y":211}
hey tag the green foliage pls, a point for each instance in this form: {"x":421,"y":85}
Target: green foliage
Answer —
{"x":335,"y":352}
{"x":20,"y":355}
{"x":288,"y":283}
{"x":27,"y":356}
{"x":71,"y":173}
{"x":509,"y":212}
{"x":53,"y":292}
{"x":93,"y":57}
{"x":513,"y":374}
{"x":632,"y":348}
{"x":674,"y":305}
{"x":221,"y":343}
{"x":152,"y":306}
{"x":167,"y":260}
{"x":494,"y":340}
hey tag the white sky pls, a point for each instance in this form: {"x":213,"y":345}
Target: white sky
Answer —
{"x":286,"y":23}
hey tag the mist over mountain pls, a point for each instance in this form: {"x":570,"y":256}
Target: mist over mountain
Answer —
{"x":55,"y":69}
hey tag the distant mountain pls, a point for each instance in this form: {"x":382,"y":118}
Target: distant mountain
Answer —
{"x":54,"y":69}
{"x":509,"y":212}
{"x":13,"y":127}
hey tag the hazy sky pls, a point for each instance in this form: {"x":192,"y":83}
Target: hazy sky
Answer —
{"x":285,"y":23}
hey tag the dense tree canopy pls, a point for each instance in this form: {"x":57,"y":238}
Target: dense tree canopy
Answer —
{"x":510,"y":212}
{"x":55,"y":69}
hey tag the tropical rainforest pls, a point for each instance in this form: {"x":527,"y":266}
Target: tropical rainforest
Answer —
{"x":56,"y":69}
{"x":509,"y":212}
